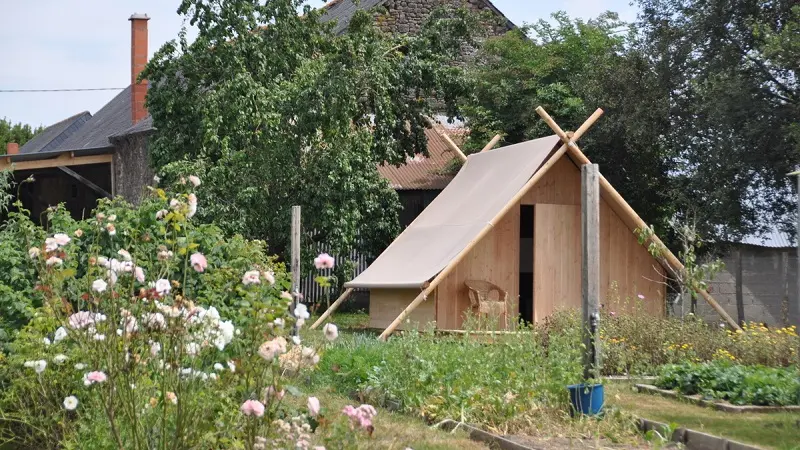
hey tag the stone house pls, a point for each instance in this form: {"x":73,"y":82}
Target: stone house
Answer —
{"x":759,"y":282}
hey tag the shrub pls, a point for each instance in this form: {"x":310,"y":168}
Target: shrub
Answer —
{"x":155,"y":332}
{"x":638,"y":343}
{"x":738,"y":384}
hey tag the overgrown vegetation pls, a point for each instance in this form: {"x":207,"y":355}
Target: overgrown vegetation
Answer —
{"x":738,"y":384}
{"x":156,"y":332}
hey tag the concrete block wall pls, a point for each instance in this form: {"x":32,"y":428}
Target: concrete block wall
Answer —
{"x":764,"y":286}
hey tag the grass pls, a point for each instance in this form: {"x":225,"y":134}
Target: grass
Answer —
{"x":399,"y":431}
{"x":767,"y":430}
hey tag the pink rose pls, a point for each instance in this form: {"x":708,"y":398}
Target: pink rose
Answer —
{"x":252,"y":408}
{"x":313,"y":406}
{"x":198,"y":262}
{"x":324,"y":261}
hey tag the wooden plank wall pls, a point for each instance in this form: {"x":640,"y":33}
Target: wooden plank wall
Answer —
{"x":495,"y":259}
{"x":386,"y":304}
{"x":556,"y":258}
{"x":627,"y":269}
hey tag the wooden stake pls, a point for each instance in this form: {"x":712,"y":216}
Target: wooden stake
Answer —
{"x":295,"y":259}
{"x":333,"y":307}
{"x":449,"y":268}
{"x":590,"y":273}
{"x":739,"y":287}
{"x":492,"y":143}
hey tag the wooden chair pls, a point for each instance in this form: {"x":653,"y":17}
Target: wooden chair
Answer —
{"x":489,"y":299}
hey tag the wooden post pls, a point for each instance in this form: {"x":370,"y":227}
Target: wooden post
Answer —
{"x":590,"y":268}
{"x":739,"y":287}
{"x":295,"y":259}
{"x":333,"y":307}
{"x":797,"y":300}
{"x":786,"y":319}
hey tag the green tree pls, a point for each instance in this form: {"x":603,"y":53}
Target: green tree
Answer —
{"x":571,"y":67}
{"x":15,"y":132}
{"x":274,"y":110}
{"x":731,"y":70}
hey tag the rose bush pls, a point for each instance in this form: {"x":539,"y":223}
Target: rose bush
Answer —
{"x":155,"y":332}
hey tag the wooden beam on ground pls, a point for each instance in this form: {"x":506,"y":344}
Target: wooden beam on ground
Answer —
{"x":100,"y":191}
{"x":62,"y":160}
{"x":347,"y":292}
{"x":427,"y":290}
{"x":633,"y":221}
{"x":590,"y":269}
{"x":492,"y":143}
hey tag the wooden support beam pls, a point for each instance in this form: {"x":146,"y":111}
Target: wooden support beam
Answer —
{"x":670,"y":262}
{"x":100,"y":191}
{"x":447,"y":141}
{"x":333,"y":307}
{"x":62,"y":160}
{"x":427,"y":290}
{"x":491,"y":143}
{"x":590,"y":269}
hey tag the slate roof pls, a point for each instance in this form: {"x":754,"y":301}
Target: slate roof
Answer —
{"x":51,"y":137}
{"x":342,"y":12}
{"x":113,"y":118}
{"x":421,"y":173}
{"x":86,"y":132}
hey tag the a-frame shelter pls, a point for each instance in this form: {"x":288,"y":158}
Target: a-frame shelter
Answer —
{"x":480,"y":228}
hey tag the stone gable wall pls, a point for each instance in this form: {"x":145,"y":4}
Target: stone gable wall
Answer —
{"x":407,"y":16}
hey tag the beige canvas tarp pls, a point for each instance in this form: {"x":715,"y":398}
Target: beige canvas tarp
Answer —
{"x":483,"y":186}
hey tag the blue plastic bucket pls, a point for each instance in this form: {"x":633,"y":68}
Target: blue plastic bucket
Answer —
{"x":586,"y":399}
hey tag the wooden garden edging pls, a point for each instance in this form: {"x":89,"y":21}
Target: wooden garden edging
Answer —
{"x":691,"y":439}
{"x":719,"y":405}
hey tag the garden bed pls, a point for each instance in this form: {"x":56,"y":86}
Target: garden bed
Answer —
{"x":719,"y":405}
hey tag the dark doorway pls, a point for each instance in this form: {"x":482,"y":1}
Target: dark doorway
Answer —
{"x":526,"y":263}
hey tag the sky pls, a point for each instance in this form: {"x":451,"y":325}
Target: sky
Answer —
{"x":79,"y":44}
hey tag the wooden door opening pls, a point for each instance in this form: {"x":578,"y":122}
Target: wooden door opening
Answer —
{"x":526,"y":263}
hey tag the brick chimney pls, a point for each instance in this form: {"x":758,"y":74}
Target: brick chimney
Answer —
{"x":12,"y":148}
{"x":138,"y":61}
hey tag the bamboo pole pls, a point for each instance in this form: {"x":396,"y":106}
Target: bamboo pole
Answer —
{"x":454,"y":262}
{"x":673,"y":265}
{"x":333,"y":307}
{"x":492,"y":143}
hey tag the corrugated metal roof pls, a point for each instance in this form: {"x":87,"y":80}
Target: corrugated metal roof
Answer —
{"x":772,"y":239}
{"x":420,"y":172}
{"x":51,"y":137}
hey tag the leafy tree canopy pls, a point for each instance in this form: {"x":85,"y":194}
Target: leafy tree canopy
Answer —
{"x":15,"y":132}
{"x":701,"y":101}
{"x":730,"y":68}
{"x":571,"y":67}
{"x":273,"y":110}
